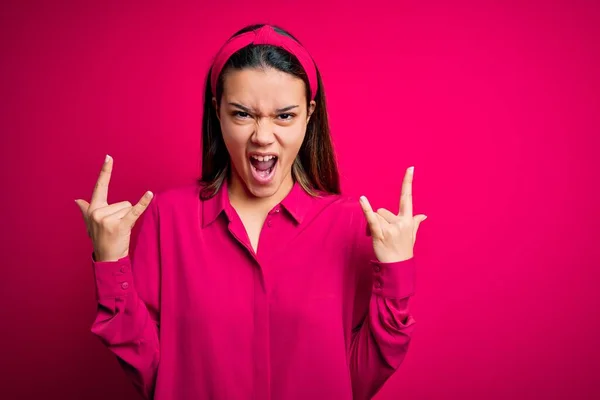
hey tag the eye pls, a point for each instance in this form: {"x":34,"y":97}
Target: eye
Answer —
{"x":241,"y":114}
{"x":286,"y":116}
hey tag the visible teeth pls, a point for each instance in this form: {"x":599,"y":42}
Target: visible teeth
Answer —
{"x":261,"y":158}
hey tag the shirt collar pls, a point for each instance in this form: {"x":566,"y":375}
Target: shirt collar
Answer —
{"x":211,"y":208}
{"x":297,"y":203}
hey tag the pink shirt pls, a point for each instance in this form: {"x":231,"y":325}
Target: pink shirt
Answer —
{"x":196,"y":314}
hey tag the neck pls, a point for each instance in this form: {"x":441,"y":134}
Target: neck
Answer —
{"x":241,"y":198}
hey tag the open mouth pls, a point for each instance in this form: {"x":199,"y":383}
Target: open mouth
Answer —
{"x":263,"y":167}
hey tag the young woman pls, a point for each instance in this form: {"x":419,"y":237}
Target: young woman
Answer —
{"x":260,"y":281}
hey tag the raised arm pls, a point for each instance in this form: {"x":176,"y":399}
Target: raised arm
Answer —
{"x":127,"y":286}
{"x":384,"y":262}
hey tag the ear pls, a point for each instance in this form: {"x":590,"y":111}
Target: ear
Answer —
{"x":311,"y":109}
{"x":214,"y":103}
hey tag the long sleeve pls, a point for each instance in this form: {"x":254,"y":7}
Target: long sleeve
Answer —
{"x":383,"y":325}
{"x":128,"y":304}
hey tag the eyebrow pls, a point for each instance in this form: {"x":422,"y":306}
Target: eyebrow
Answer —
{"x":248,"y":110}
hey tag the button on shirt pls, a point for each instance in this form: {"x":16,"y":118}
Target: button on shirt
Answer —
{"x":195,"y":313}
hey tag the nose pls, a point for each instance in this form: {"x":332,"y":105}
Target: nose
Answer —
{"x":263,"y":134}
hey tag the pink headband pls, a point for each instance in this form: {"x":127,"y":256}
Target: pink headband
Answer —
{"x":265,"y":35}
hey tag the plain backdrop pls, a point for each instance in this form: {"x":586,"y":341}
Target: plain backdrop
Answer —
{"x":495,"y":103}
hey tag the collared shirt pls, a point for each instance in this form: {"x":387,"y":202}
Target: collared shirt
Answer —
{"x":195,"y":313}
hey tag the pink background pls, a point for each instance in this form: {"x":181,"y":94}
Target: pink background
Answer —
{"x":495,"y":104}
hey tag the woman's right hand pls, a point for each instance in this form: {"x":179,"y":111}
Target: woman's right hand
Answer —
{"x":110,"y":226}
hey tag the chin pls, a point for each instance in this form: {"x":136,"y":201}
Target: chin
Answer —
{"x":261,"y":191}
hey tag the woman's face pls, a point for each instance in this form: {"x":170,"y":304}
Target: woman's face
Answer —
{"x":263,"y":118}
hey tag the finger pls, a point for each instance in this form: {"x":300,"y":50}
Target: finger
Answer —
{"x":120,"y":214}
{"x":374,"y":225}
{"x":388,"y":216}
{"x":83,"y":206}
{"x":100,"y":194}
{"x":134,"y":213}
{"x":406,"y":206}
{"x":382,"y":222}
{"x":112,"y":209}
{"x":418,"y":219}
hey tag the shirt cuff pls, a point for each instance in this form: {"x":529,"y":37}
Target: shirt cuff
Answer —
{"x":113,"y":278}
{"x":394,"y":279}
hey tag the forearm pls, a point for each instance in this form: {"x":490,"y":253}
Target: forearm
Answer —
{"x":125,"y":324}
{"x":380,"y":343}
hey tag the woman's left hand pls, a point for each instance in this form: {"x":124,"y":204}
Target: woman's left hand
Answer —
{"x":394,"y":235}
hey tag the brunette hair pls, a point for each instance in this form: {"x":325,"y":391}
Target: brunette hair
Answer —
{"x":315,"y":167}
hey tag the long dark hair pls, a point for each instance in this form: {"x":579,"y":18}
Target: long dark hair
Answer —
{"x":315,"y":167}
